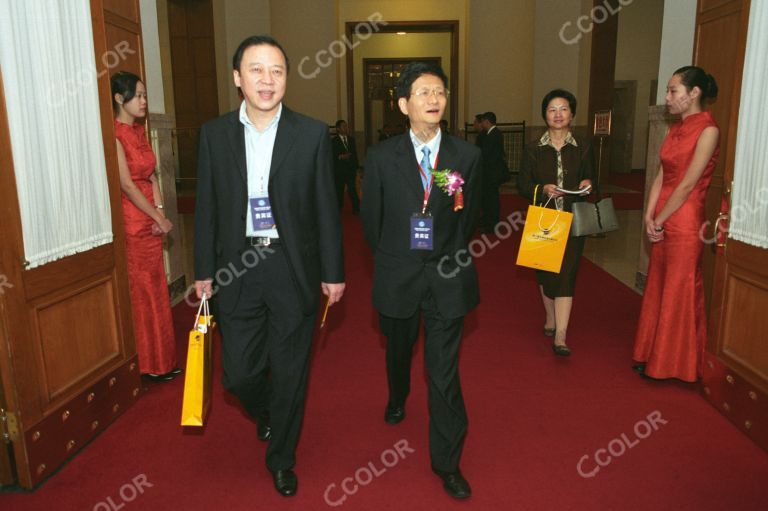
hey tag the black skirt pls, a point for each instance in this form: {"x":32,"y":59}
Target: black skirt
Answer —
{"x":563,"y":283}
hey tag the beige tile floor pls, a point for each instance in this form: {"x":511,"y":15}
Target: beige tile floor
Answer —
{"x":619,"y":251}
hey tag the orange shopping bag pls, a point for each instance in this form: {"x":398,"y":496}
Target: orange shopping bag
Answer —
{"x":544,"y":237}
{"x":197,"y":380}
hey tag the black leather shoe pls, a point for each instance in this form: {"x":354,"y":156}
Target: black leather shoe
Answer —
{"x":394,"y":414}
{"x":263,"y":429}
{"x":640,"y":368}
{"x":158,"y":377}
{"x":455,"y":484}
{"x":286,"y":482}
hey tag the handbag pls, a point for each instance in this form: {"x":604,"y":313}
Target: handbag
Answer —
{"x":198,"y":376}
{"x":545,"y":236}
{"x":594,"y":217}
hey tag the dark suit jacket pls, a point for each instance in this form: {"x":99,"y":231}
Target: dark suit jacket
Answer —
{"x":539,"y":167}
{"x":301,"y":193}
{"x":344,"y":167}
{"x":392,"y":192}
{"x":495,"y":170}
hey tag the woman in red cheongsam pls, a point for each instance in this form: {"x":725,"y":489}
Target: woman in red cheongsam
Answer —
{"x":145,"y":225}
{"x":672,"y":330}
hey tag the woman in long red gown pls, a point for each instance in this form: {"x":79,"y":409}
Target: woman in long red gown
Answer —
{"x":145,"y":225}
{"x":672,"y":330}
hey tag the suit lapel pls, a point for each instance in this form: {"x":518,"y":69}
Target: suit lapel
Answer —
{"x":446,"y":159}
{"x":287,"y":132}
{"x":409,"y":167}
{"x":237,"y":142}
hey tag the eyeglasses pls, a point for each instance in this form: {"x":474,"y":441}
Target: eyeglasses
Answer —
{"x":426,"y":93}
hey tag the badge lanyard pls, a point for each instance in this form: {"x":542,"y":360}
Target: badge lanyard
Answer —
{"x":428,"y":188}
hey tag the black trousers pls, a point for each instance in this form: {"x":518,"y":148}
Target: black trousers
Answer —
{"x":447,"y":414}
{"x":266,"y":343}
{"x":348,"y":179}
{"x":490,"y":205}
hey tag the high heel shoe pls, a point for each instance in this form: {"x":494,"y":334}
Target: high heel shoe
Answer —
{"x":561,"y":350}
{"x":549,"y":332}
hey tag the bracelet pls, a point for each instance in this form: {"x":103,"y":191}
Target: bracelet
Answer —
{"x":159,"y":206}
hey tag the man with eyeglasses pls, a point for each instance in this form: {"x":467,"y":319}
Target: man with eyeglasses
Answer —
{"x":419,"y":235}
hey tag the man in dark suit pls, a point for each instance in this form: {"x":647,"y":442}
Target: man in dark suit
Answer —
{"x":419,"y":237}
{"x":478,"y":125}
{"x":345,"y":165}
{"x":495,"y":171}
{"x":267,"y":233}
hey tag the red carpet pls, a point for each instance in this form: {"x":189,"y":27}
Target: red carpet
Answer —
{"x":533,"y":417}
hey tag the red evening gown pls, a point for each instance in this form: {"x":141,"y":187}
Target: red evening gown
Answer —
{"x":672,"y":330}
{"x":152,"y":321}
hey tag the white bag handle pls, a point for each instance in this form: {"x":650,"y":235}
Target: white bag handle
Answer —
{"x":554,"y":222}
{"x":206,"y":312}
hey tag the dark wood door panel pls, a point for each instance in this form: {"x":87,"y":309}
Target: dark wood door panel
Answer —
{"x":72,"y":345}
{"x":69,"y":271}
{"x":128,"y":10}
{"x":125,"y":48}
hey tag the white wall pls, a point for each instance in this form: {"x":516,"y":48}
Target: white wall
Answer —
{"x":676,"y":41}
{"x":555,"y":62}
{"x":233,"y":21}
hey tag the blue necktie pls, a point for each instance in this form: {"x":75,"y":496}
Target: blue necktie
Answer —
{"x":426,"y":178}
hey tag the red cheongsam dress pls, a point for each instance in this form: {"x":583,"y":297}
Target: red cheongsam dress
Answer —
{"x":672,"y":330}
{"x":152,"y":321}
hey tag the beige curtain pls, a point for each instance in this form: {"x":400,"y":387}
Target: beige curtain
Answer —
{"x":49,"y":76}
{"x":749,"y":205}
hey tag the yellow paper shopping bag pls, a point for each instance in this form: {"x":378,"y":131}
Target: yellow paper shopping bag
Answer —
{"x":197,"y":380}
{"x":544,"y":238}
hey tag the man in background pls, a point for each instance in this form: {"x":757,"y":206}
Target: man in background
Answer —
{"x":345,"y":166}
{"x":495,"y":171}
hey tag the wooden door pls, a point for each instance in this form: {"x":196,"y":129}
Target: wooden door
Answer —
{"x":735,"y":377}
{"x":195,"y":91}
{"x":67,"y":355}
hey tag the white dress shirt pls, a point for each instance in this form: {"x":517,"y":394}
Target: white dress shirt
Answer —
{"x":258,"y":160}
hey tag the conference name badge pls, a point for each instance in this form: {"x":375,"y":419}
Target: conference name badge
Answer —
{"x":261,"y":213}
{"x":421,"y":231}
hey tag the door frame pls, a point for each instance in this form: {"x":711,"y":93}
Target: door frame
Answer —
{"x":366,"y":102}
{"x":449,"y":26}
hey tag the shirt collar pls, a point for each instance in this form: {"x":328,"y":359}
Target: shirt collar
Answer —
{"x":246,"y":121}
{"x":547,"y":140}
{"x":434,"y":144}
